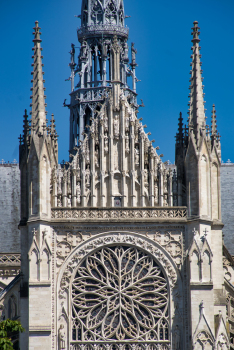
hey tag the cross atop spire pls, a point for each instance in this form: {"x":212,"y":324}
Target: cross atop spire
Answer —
{"x":197,"y":119}
{"x":38,"y":98}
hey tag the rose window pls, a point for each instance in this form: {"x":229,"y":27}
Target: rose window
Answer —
{"x":119,"y":294}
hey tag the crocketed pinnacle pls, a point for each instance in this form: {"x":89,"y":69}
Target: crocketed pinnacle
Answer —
{"x":180,"y":134}
{"x":38,"y":98}
{"x":213,"y":124}
{"x":197,"y":119}
{"x":215,"y":136}
{"x":25,"y":127}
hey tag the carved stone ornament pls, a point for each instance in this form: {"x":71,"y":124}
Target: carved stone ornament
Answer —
{"x":117,"y":274}
{"x":112,"y":238}
{"x":172,"y":245}
{"x":204,"y":340}
{"x":131,"y":214}
{"x":223,"y":343}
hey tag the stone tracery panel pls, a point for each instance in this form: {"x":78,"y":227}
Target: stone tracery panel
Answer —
{"x":156,"y":255}
{"x":119,"y":293}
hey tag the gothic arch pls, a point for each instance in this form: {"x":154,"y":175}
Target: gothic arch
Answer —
{"x":105,"y":242}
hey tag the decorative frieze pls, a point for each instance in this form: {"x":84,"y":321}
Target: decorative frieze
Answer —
{"x":120,"y":214}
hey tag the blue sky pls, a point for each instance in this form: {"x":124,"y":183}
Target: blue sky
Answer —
{"x":161,"y":31}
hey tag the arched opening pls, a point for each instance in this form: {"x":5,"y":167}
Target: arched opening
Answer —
{"x":195,"y":267}
{"x":87,"y":119}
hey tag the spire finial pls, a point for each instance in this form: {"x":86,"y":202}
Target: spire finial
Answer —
{"x":195,"y":33}
{"x":36,"y":33}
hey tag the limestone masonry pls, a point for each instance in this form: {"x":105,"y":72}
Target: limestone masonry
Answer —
{"x":119,"y":251}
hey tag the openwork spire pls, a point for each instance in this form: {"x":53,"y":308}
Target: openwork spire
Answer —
{"x":102,"y":12}
{"x":197,"y":119}
{"x":38,"y":98}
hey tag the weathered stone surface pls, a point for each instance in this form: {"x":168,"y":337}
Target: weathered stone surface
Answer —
{"x":227,"y":201}
{"x":10,"y":208}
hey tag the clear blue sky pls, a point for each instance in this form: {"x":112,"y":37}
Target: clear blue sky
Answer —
{"x":161,"y":31}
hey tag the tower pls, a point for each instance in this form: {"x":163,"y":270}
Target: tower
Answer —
{"x":38,"y":156}
{"x":113,"y":162}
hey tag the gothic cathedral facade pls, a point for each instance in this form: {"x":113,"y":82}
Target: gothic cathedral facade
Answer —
{"x":120,"y":251}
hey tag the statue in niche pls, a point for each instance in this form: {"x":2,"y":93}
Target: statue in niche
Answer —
{"x":69,"y":201}
{"x":72,"y":53}
{"x":105,"y":122}
{"x":84,"y":49}
{"x":59,"y":202}
{"x":127,"y":143}
{"x":106,"y":144}
{"x":121,"y":96}
{"x":88,"y":195}
{"x":137,"y":155}
{"x":155,"y":193}
{"x":127,"y":122}
{"x":134,"y":52}
{"x":177,"y":338}
{"x":96,"y":158}
{"x":145,"y":176}
{"x":87,"y":176}
{"x":132,"y":117}
{"x":78,"y":172}
{"x":165,"y":200}
{"x":78,"y":192}
{"x":141,"y":129}
{"x":126,"y":50}
{"x":116,"y":126}
{"x":62,"y":337}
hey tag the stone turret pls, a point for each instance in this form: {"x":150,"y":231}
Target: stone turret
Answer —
{"x":198,"y":153}
{"x":38,"y":153}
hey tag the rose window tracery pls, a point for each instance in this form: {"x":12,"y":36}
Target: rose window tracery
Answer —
{"x":120,"y":294}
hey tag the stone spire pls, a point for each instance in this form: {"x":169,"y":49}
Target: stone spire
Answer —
{"x":197,"y":119}
{"x":38,"y":104}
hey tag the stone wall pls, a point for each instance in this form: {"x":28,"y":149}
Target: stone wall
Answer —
{"x":227,"y":204}
{"x":10,"y":208}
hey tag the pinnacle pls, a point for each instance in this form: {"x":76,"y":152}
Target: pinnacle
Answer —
{"x":213,"y":124}
{"x":38,"y":98}
{"x":196,"y":111}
